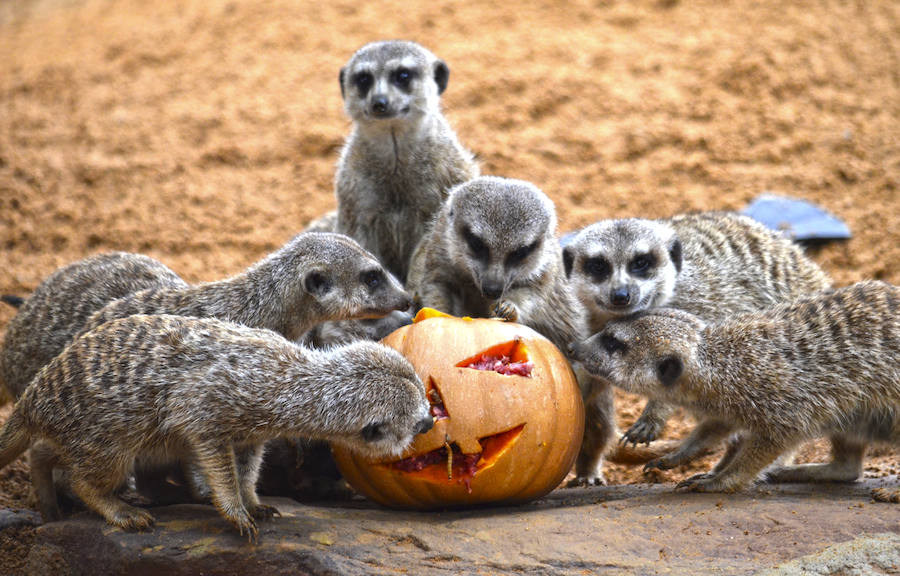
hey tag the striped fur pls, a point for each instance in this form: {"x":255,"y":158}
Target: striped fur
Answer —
{"x":165,"y":388}
{"x":825,"y":365}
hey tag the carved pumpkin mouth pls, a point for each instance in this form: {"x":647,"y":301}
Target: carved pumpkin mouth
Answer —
{"x":448,"y":464}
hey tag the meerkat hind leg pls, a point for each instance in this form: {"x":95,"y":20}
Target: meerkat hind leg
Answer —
{"x":846,"y":465}
{"x":97,"y":490}
{"x":42,"y":459}
{"x":248,"y":460}
{"x":217,"y":463}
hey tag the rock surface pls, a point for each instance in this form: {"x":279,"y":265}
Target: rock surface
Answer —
{"x":638,"y":529}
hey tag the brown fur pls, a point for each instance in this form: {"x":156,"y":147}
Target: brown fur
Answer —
{"x":824,"y":365}
{"x":59,"y":307}
{"x":402,"y":157}
{"x":712,"y":264}
{"x":211,"y":392}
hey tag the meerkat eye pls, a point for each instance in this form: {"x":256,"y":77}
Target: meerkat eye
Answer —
{"x":612,"y":344}
{"x":372,"y":279}
{"x":641,"y":265}
{"x":363,"y":81}
{"x":519,"y":254}
{"x":598,"y":267}
{"x":402,"y":77}
{"x":479,"y":249}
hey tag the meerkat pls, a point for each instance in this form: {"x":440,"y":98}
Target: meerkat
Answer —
{"x":826,"y":365}
{"x":58,"y":308}
{"x":493,"y":251}
{"x":164,"y":387}
{"x":711,"y":264}
{"x":402,"y":157}
{"x":316,"y":277}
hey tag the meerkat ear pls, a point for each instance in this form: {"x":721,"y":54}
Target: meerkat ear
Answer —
{"x":341,"y":80}
{"x":316,"y":283}
{"x":675,"y":254}
{"x":568,"y":260}
{"x":441,"y":75}
{"x":669,"y":370}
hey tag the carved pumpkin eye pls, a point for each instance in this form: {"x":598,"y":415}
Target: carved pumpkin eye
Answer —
{"x":508,"y":417}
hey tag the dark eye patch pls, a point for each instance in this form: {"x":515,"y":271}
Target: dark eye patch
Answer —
{"x":612,"y":344}
{"x":363,"y":82}
{"x":641,"y":265}
{"x":479,"y":249}
{"x":521,"y":253}
{"x":372,"y":279}
{"x":598,"y":267}
{"x":401,"y":77}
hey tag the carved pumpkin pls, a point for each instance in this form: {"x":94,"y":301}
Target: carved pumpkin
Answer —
{"x":508,"y":417}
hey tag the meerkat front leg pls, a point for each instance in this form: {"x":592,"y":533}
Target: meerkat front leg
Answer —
{"x":650,"y":425}
{"x":217,"y":462}
{"x":599,"y":430}
{"x":753,"y":455}
{"x":248,"y":460}
{"x":507,"y":310}
{"x":704,"y":435}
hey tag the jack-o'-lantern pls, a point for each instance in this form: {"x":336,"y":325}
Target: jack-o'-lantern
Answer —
{"x":508,"y":417}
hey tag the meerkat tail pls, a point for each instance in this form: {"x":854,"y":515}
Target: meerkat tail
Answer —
{"x":632,"y":455}
{"x":14,"y":439}
{"x":12,"y":300}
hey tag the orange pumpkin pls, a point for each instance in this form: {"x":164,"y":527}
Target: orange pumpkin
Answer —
{"x":508,"y":417}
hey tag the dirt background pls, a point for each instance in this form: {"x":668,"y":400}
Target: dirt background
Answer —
{"x":205,"y":133}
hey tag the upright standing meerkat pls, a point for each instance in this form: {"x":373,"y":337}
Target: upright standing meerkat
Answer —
{"x":212,"y":392}
{"x":823,"y":365}
{"x":402,"y":157}
{"x":58,"y":308}
{"x":493,"y":251}
{"x":711,"y":264}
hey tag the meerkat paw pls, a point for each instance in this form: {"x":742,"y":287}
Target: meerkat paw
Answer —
{"x":891,"y":495}
{"x":662,"y":463}
{"x":245,"y":523}
{"x":506,"y":310}
{"x":707,"y":483}
{"x":641,"y":432}
{"x":588,"y":480}
{"x":132,"y":519}
{"x":264,"y":512}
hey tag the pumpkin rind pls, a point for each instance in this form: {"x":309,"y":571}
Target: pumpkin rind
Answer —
{"x":546,"y":404}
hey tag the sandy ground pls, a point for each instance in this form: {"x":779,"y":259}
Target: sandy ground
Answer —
{"x":205,"y":132}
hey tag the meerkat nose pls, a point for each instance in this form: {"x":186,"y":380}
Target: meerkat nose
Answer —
{"x":424,"y":425}
{"x":379,"y":105}
{"x":621,"y":297}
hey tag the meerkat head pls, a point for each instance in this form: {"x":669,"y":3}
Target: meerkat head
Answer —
{"x":323,"y":276}
{"x":501,"y":233}
{"x":621,"y":267}
{"x":384,"y":400}
{"x":392,"y":81}
{"x":648,"y":354}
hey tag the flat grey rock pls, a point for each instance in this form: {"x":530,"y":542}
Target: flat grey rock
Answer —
{"x":636,"y":529}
